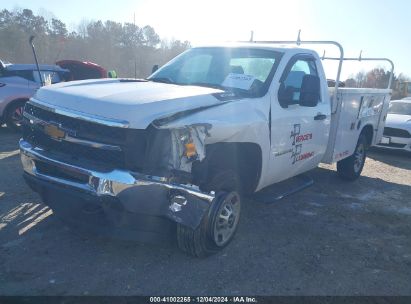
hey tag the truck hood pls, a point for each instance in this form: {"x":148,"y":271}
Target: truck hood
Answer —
{"x":138,"y":103}
{"x":398,"y":121}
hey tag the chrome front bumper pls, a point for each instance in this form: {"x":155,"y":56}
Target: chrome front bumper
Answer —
{"x":136,"y":192}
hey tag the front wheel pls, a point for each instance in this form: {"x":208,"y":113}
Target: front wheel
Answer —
{"x":218,"y":227}
{"x":351,"y":167}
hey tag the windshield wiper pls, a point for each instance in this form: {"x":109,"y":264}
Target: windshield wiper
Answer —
{"x":162,"y":80}
{"x":237,"y":91}
{"x":219,"y":86}
{"x":208,"y":85}
{"x":202,"y":84}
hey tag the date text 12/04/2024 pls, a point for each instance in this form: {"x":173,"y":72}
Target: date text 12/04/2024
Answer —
{"x":203,"y":299}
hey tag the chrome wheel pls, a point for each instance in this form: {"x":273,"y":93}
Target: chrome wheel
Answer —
{"x":219,"y":225}
{"x":359,"y":157}
{"x":227,"y":219}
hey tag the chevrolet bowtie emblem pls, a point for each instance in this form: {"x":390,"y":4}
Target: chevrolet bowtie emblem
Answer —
{"x":54,"y":131}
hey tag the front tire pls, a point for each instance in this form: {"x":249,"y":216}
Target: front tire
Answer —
{"x":218,"y":227}
{"x":351,"y":167}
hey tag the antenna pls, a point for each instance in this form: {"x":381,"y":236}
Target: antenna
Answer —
{"x":252,"y":36}
{"x":360,"y":58}
{"x":35,"y":58}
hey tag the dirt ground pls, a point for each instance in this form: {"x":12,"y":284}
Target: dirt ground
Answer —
{"x":334,"y":238}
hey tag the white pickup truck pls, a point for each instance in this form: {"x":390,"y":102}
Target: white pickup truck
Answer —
{"x":174,"y":154}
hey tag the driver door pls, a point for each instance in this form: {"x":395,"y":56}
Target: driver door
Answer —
{"x":299,"y":134}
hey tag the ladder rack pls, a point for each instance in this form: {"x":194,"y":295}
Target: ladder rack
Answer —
{"x":340,"y":59}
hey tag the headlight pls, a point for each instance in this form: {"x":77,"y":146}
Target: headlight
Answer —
{"x":188,"y":146}
{"x":186,"y":140}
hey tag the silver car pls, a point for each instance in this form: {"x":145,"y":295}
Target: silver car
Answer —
{"x":397,"y":131}
{"x":18,"y":82}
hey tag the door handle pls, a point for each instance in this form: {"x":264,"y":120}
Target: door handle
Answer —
{"x":320,"y":116}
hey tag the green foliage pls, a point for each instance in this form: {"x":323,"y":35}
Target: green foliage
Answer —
{"x":127,"y":48}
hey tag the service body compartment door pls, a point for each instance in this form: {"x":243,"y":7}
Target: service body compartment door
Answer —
{"x":358,"y":108}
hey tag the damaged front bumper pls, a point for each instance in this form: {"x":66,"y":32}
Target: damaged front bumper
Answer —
{"x":57,"y":178}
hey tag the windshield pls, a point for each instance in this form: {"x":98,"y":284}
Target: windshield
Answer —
{"x":402,"y":108}
{"x":244,"y":69}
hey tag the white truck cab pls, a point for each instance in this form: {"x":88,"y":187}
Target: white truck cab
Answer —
{"x":178,"y":151}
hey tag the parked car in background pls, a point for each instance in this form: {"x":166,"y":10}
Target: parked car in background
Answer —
{"x":19,"y":82}
{"x":80,"y":70}
{"x":397,"y":131}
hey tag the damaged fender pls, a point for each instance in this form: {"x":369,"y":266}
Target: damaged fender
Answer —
{"x":237,"y":121}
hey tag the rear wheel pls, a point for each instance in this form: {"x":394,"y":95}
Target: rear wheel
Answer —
{"x":14,"y":115}
{"x":218,"y":227}
{"x":351,"y":167}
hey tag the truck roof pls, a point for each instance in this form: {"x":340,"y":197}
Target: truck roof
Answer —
{"x":265,"y":46}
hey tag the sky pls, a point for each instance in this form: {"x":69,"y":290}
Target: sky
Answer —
{"x":377,"y":27}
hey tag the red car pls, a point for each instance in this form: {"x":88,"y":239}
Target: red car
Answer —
{"x":80,"y":70}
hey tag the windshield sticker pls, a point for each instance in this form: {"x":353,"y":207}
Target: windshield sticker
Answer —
{"x":239,"y":81}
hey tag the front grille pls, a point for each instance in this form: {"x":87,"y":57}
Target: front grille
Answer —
{"x":132,"y":142}
{"x":396,"y":132}
{"x":84,"y":129}
{"x":110,"y":158}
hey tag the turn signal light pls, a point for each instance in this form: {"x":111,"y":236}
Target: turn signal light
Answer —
{"x":190,"y":150}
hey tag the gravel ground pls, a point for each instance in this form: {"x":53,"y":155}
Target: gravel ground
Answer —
{"x":334,"y":238}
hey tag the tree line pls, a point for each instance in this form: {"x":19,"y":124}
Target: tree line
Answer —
{"x":377,"y":78}
{"x":128,"y":49}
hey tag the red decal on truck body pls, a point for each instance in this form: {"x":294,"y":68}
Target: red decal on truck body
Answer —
{"x":305,"y":156}
{"x":305,"y":137}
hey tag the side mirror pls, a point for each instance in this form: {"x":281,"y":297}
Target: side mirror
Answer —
{"x":310,"y":91}
{"x":155,"y":68}
{"x":285,"y":95}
